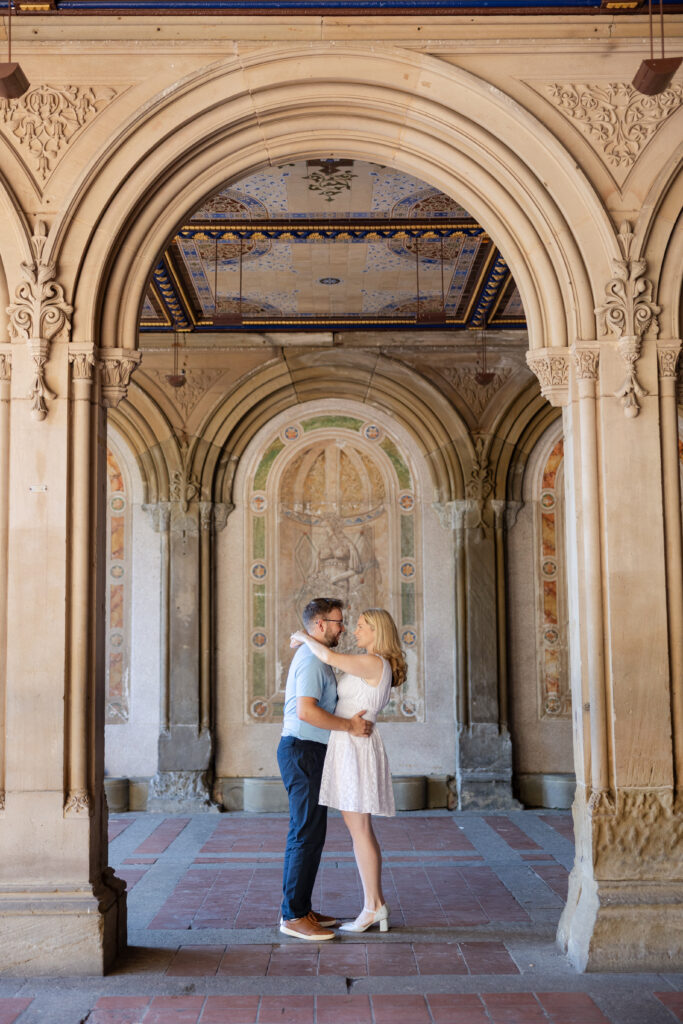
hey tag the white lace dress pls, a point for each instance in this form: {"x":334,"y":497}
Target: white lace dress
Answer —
{"x":356,"y":773}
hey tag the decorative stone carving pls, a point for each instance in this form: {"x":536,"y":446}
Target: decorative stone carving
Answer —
{"x":77,"y":802}
{"x":184,"y":487}
{"x":221,"y":511}
{"x":480,"y":485}
{"x":667,"y":358}
{"x":618,"y":120}
{"x":587,"y":363}
{"x":178,"y":790}
{"x":551,"y":366}
{"x":43,"y":122}
{"x":116,"y":366}
{"x":205,"y":514}
{"x":628,"y":313}
{"x":5,"y":366}
{"x":197,"y":383}
{"x":637,"y":834}
{"x":82,"y":364}
{"x":38,"y":313}
{"x":160,"y":514}
{"x":475,"y":396}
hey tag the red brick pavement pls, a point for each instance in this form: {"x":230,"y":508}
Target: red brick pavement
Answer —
{"x":673,"y":1002}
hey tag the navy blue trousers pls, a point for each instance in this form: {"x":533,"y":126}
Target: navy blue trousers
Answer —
{"x":301,"y":767}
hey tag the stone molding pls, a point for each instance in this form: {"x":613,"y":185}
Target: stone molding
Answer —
{"x":618,"y":120}
{"x":636,"y":834}
{"x":628,"y":313}
{"x":116,"y":367}
{"x":551,"y":367}
{"x":38,"y":313}
{"x":43,"y":122}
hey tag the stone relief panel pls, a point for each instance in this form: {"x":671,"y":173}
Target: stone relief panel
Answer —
{"x":117,"y":653}
{"x":551,"y":605}
{"x":332,"y":511}
{"x":617,"y":120}
{"x":41,"y":124}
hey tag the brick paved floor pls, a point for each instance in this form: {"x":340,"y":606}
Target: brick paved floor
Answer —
{"x":474,"y":899}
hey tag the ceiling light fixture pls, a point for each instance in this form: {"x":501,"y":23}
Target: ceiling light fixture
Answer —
{"x":13,"y":81}
{"x":483,"y":376}
{"x":654,"y":75}
{"x":176,"y":379}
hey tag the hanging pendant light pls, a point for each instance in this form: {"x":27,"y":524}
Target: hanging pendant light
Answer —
{"x":13,"y":81}
{"x":654,"y":75}
{"x":176,"y":379}
{"x":483,"y":376}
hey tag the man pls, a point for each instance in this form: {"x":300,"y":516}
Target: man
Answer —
{"x":310,"y":700}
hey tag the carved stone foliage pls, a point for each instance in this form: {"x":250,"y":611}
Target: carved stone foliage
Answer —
{"x":587,"y":363}
{"x":116,"y":367}
{"x":551,"y":366}
{"x":475,"y":396}
{"x":628,"y":313}
{"x":667,"y":359}
{"x":42,"y":123}
{"x":77,"y":802}
{"x":39,"y":312}
{"x":637,"y":834}
{"x":5,"y":366}
{"x":618,"y":120}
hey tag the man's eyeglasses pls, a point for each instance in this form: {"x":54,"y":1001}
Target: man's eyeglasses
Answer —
{"x":340,"y":622}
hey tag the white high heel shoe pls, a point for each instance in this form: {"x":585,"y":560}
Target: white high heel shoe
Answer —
{"x":367,"y":918}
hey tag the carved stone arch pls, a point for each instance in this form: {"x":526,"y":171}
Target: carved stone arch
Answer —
{"x":438,"y":429}
{"x":516,"y":433}
{"x":670,"y":291}
{"x":141,"y":422}
{"x":553,"y":251}
{"x":15,"y":244}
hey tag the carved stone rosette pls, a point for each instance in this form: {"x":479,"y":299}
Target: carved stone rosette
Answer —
{"x":551,"y":366}
{"x":116,"y":367}
{"x":38,"y":313}
{"x":628,"y":313}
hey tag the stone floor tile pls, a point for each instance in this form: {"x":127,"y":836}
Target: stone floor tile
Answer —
{"x":439,"y":958}
{"x":488,"y":958}
{"x":450,"y":1008}
{"x":174,"y":1010}
{"x":562,"y":823}
{"x":294,"y":960}
{"x":118,"y":825}
{"x":345,"y":959}
{"x":131,"y":876}
{"x":400,"y":1009}
{"x":250,"y":961}
{"x":514,"y":1008}
{"x":673,"y":1002}
{"x":391,"y":958}
{"x":571,"y":1008}
{"x":117,"y":1010}
{"x":230,"y":1010}
{"x":286,"y":1010}
{"x":163,"y":835}
{"x":510,"y":833}
{"x":351,"y":1009}
{"x":195,"y":961}
{"x":555,"y":877}
{"x":11,"y":1008}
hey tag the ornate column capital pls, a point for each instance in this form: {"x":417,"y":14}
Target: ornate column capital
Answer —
{"x":586,"y":357}
{"x":551,"y":366}
{"x":668,"y":353}
{"x":505,"y":512}
{"x":453,"y":515}
{"x":116,"y":366}
{"x":221,"y":511}
{"x":628,"y":313}
{"x":82,"y":360}
{"x":160,"y":515}
{"x":5,"y":367}
{"x":39,"y":312}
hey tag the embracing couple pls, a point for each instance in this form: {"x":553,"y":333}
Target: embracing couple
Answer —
{"x":330,"y":755}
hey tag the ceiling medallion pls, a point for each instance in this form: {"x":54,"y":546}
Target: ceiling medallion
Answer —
{"x":330,"y":280}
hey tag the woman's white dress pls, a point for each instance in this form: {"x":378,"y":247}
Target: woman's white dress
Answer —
{"x":356,"y":773}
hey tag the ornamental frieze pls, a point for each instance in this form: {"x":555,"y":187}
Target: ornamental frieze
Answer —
{"x":43,"y":122}
{"x":618,"y":121}
{"x":636,"y":834}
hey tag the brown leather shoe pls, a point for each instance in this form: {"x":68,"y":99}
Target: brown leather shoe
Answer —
{"x":324,"y":920}
{"x":306,"y":928}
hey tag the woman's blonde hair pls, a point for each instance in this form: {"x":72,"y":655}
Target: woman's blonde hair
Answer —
{"x":387,"y":642}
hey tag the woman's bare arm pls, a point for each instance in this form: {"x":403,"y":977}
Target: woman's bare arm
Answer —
{"x":367,"y":666}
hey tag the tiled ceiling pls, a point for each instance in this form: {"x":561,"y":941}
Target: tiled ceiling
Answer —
{"x":338,"y":243}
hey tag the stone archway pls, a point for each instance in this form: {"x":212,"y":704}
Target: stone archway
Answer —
{"x":404,"y":109}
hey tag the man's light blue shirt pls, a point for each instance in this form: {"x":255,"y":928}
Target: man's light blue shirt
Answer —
{"x":308,"y":677}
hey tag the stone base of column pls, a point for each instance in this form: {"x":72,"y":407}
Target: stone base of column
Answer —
{"x":180,"y":792}
{"x":62,"y":932}
{"x":622,"y":926}
{"x":483,"y":779}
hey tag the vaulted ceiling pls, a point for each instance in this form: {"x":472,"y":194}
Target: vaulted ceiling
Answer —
{"x":333,"y":243}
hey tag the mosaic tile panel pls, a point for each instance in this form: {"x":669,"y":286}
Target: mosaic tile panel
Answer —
{"x":118,"y":557}
{"x":331,"y":510}
{"x":554,"y":686}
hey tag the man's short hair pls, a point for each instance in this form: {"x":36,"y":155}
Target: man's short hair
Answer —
{"x":320,"y":607}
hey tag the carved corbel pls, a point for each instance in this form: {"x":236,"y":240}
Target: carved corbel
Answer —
{"x":221,"y":511}
{"x":160,"y":515}
{"x":587,"y":363}
{"x":116,"y":366}
{"x":5,"y":373}
{"x":628,"y":313}
{"x":667,"y":359}
{"x":551,"y":366}
{"x":38,"y":313}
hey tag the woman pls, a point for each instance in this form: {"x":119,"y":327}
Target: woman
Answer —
{"x":356,"y":777}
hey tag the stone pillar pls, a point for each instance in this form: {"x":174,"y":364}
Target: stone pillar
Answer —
{"x":183,"y":780}
{"x":624,"y":909}
{"x":483,"y":776}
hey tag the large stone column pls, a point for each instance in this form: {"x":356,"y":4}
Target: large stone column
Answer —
{"x":56,"y":892}
{"x":625,"y":905}
{"x":183,"y":779}
{"x":483,"y":776}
